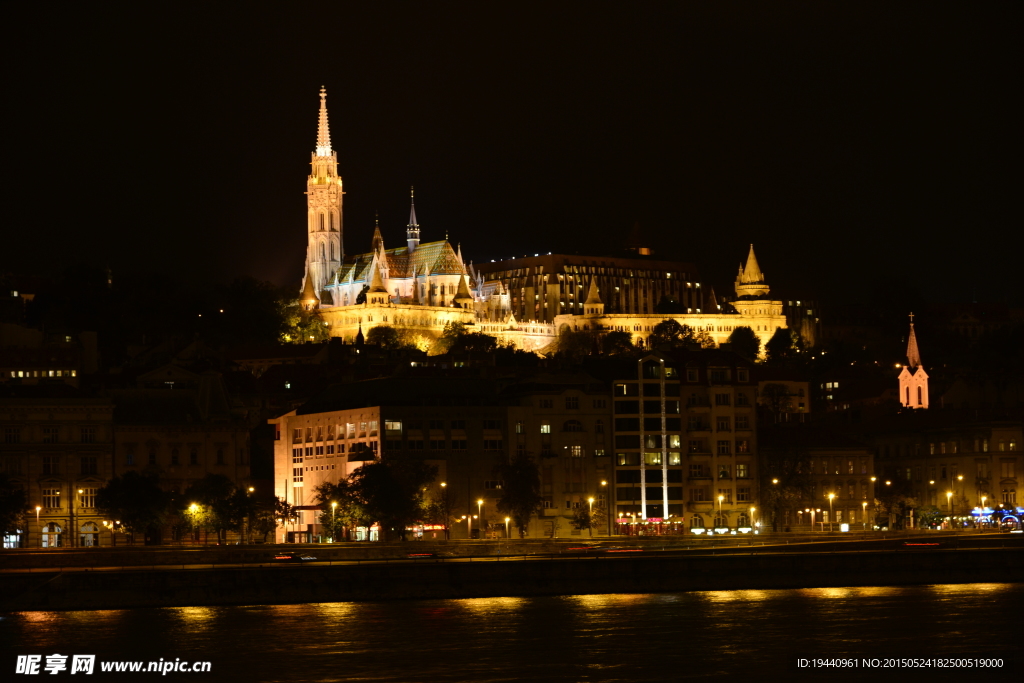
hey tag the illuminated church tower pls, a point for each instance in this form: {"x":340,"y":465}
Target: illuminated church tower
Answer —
{"x":913,"y":378}
{"x":323,"y":208}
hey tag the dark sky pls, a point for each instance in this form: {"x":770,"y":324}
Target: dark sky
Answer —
{"x":856,"y":145}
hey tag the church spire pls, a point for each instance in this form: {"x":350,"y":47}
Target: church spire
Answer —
{"x":323,"y":131}
{"x":752,"y":272}
{"x":412,"y":231}
{"x":913,"y":355}
{"x":378,"y":241}
{"x":913,"y":379}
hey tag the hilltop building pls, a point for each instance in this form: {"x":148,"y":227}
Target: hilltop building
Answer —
{"x":421,"y":287}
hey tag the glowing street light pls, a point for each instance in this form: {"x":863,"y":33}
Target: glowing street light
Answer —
{"x":480,"y":514}
{"x":864,"y":514}
{"x":831,"y":496}
{"x":507,"y":520}
{"x":590,"y":519}
{"x":949,"y":504}
{"x":720,"y":499}
{"x":334,"y":519}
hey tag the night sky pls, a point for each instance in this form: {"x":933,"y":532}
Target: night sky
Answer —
{"x":858,"y":146}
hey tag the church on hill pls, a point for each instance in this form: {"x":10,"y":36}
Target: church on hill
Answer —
{"x":420,"y":287}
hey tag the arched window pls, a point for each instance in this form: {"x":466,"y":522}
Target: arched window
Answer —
{"x":323,"y":252}
{"x":90,"y":535}
{"x":321,"y":222}
{"x":919,"y":401}
{"x":572,"y":426}
{"x":332,"y":221}
{"x":721,"y":522}
{"x":907,"y":402}
{"x":742,"y":520}
{"x":51,"y":536}
{"x":697,"y":522}
{"x":332,"y":251}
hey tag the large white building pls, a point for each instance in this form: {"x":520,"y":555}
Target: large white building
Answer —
{"x":420,"y":287}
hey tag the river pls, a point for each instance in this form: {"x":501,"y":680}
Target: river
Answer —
{"x":620,"y":637}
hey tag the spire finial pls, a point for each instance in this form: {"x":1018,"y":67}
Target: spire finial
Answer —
{"x":323,"y":131}
{"x":913,"y":355}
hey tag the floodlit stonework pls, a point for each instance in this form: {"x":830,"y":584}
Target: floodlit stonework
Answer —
{"x":421,"y":287}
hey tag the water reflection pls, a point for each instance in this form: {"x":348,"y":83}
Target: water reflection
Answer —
{"x":581,"y":637}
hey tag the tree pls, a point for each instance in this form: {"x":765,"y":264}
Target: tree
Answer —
{"x":580,"y":518}
{"x":520,"y":496}
{"x":745,"y":342}
{"x":474,"y":342}
{"x":384,"y":336}
{"x":776,"y":398}
{"x":13,"y":504}
{"x":893,"y":499}
{"x":440,"y":509}
{"x":266,"y":515}
{"x":135,"y":500}
{"x":213,"y":494}
{"x":669,"y":333}
{"x":391,"y":492}
{"x":617,"y":343}
{"x":574,"y":345}
{"x":783,"y":346}
{"x":930,"y":517}
{"x":340,"y":508}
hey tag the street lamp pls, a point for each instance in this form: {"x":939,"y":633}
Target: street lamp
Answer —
{"x":590,"y":519}
{"x":864,"y":515}
{"x":480,"y":514}
{"x":830,"y":511}
{"x":949,"y":504}
{"x":507,"y":520}
{"x":982,"y":515}
{"x":720,"y":499}
{"x":334,"y":519}
{"x":752,"y":517}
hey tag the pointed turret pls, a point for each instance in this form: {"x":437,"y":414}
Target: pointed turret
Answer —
{"x":913,"y":379}
{"x":462,"y":297}
{"x":412,"y":231}
{"x":750,"y":280}
{"x":308,"y":299}
{"x":323,"y":130}
{"x":593,"y":306}
{"x":711,"y":303}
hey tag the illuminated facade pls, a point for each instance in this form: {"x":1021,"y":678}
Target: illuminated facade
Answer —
{"x":913,"y":379}
{"x":420,"y":287}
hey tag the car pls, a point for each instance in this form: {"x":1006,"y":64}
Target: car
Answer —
{"x":292,"y":557}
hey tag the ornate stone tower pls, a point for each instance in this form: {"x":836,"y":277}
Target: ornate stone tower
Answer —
{"x":323,"y":207}
{"x":752,"y":292}
{"x":412,"y":231}
{"x":913,"y":379}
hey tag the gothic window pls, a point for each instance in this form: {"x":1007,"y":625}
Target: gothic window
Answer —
{"x":321,"y":222}
{"x":323,"y":255}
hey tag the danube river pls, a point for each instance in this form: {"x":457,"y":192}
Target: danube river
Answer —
{"x":652,"y":637}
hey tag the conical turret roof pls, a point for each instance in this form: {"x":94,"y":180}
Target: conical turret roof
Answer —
{"x":913,"y":354}
{"x":593,"y":297}
{"x":751,"y":272}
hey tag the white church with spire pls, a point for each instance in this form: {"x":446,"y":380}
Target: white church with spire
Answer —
{"x":913,"y":379}
{"x":420,"y":287}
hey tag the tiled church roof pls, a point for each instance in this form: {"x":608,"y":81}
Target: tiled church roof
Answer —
{"x":435,"y":258}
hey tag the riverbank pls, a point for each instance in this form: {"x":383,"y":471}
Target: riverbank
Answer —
{"x":436,"y":578}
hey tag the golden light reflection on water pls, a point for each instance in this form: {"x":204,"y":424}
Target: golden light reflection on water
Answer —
{"x":957,"y":590}
{"x":483,"y":606}
{"x":195,"y":617}
{"x":333,"y":610}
